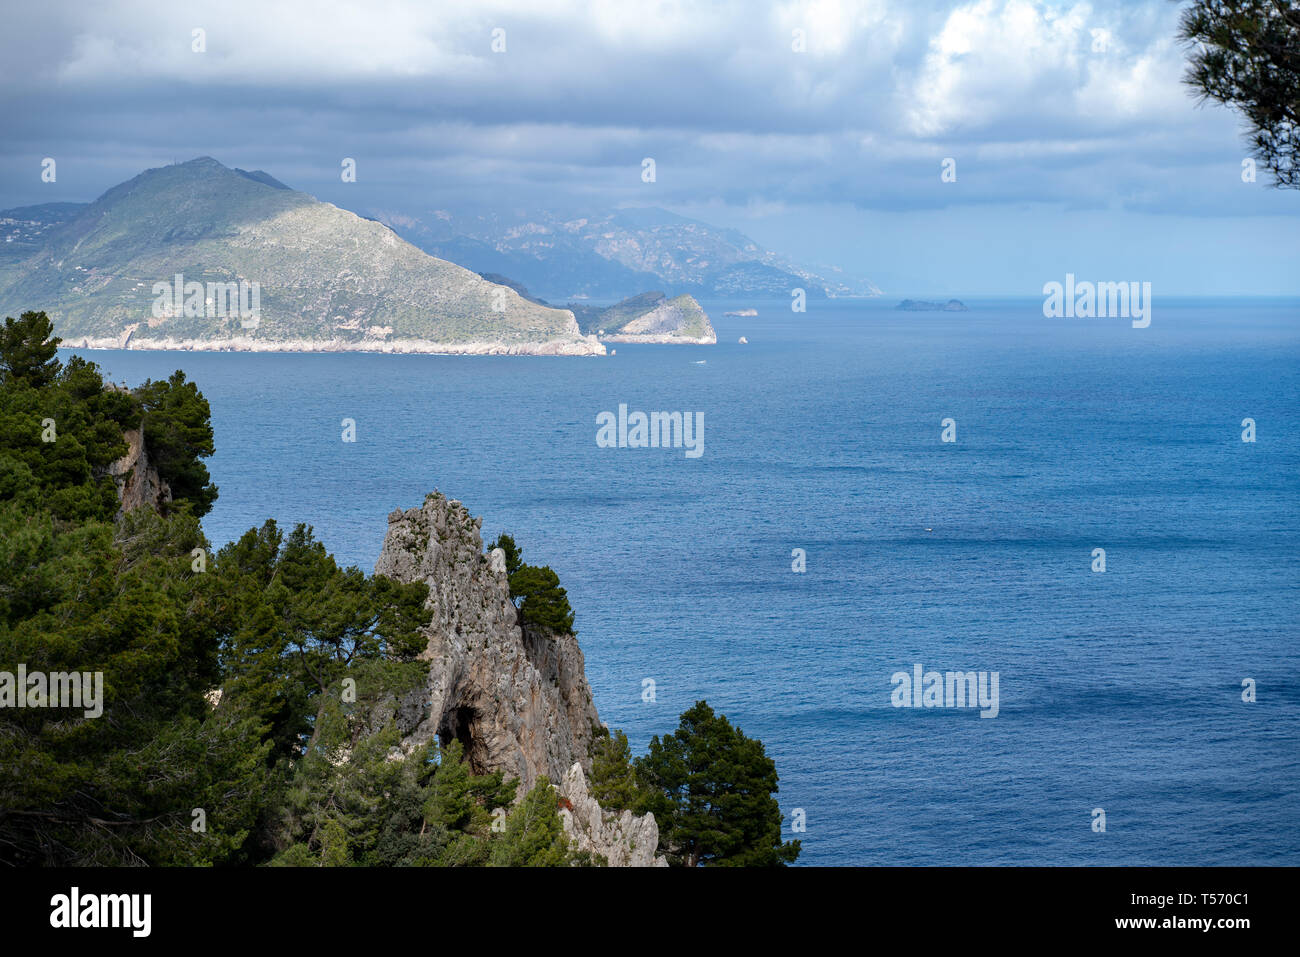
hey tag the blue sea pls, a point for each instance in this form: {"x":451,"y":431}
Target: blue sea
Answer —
{"x":1119,"y":691}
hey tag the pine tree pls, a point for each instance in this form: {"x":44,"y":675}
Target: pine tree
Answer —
{"x":177,"y":434}
{"x":613,"y":778}
{"x":1247,"y":56}
{"x":534,"y":835}
{"x":710,"y":789}
{"x":535,"y":590}
{"x":27,"y":350}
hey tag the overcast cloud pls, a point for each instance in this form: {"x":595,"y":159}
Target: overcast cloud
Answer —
{"x":1077,"y":147}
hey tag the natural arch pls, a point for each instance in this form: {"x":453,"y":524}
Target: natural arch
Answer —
{"x":464,"y":724}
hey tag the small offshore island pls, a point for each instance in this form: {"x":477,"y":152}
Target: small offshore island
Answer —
{"x":923,"y":305}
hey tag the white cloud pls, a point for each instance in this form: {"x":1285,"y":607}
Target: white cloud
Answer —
{"x":589,"y":87}
{"x":1016,"y":61}
{"x":248,"y":40}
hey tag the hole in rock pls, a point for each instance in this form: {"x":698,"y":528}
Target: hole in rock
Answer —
{"x":463,"y":724}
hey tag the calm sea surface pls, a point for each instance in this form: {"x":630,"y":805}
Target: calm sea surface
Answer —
{"x":1120,"y":691}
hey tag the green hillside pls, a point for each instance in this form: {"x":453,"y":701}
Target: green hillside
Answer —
{"x":651,"y":315}
{"x":324,"y":275}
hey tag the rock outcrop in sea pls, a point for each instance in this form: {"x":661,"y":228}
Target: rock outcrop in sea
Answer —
{"x":515,"y":697}
{"x":924,"y":305}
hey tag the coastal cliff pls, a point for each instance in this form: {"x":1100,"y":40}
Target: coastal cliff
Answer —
{"x":649,"y":318}
{"x":515,"y":697}
{"x":579,"y":346}
{"x":138,"y":482}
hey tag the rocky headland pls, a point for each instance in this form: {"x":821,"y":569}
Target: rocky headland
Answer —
{"x":515,"y":697}
{"x":200,"y":257}
{"x":649,"y":318}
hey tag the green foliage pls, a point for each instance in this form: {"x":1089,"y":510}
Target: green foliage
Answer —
{"x":292,"y":623}
{"x":355,"y":799}
{"x":28,"y":348}
{"x":267,"y":628}
{"x":710,"y":789}
{"x":1246,"y":54}
{"x":544,"y":603}
{"x":177,"y":433}
{"x":507,"y":544}
{"x":61,"y":429}
{"x":81,"y":593}
{"x":613,"y":778}
{"x":535,"y":590}
{"x":58,"y":440}
{"x":119,"y":787}
{"x":534,"y":835}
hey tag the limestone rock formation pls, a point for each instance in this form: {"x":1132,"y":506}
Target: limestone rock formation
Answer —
{"x":138,"y":482}
{"x":668,"y":321}
{"x":516,"y":698}
{"x":650,"y":318}
{"x":624,"y":840}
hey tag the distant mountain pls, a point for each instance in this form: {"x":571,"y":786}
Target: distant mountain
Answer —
{"x":616,"y":255}
{"x":326,"y":279}
{"x":25,"y":230}
{"x":649,"y":317}
{"x":258,"y":176}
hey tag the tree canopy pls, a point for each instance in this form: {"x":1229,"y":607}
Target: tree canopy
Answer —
{"x":710,"y":789}
{"x":28,"y":348}
{"x":535,"y":590}
{"x":249,"y":699}
{"x":1246,"y":55}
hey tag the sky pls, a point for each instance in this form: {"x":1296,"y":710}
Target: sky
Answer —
{"x":818,"y":128}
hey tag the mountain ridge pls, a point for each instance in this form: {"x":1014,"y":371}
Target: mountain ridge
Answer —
{"x":326,"y":279}
{"x":616,"y":255}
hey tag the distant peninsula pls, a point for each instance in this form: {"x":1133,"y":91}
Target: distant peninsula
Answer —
{"x":923,"y":305}
{"x":201,"y":257}
{"x":649,"y":318}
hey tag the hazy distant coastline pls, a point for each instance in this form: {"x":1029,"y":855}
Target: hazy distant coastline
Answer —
{"x":587,"y":346}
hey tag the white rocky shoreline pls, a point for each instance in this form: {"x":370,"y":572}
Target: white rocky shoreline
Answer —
{"x":586,"y":346}
{"x":663,"y":339}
